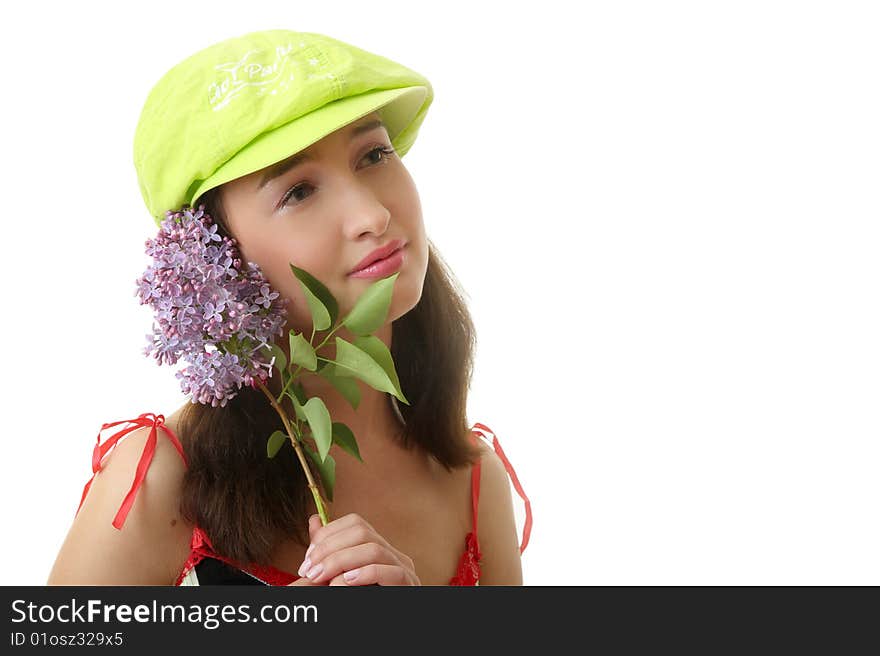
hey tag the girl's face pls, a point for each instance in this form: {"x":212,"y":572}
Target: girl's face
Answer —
{"x":326,"y":213}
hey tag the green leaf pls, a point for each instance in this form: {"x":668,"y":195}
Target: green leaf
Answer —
{"x":326,"y":470}
{"x":276,"y":441}
{"x":319,"y":421}
{"x":346,"y":386}
{"x":321,"y":303}
{"x":297,"y":404}
{"x":352,"y":361}
{"x":300,"y":392}
{"x":376,"y":349}
{"x":343,"y":436}
{"x":301,"y":352}
{"x":371,"y":309}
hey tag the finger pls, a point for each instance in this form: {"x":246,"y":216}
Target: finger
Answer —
{"x":340,"y":580}
{"x":339,"y":560}
{"x":346,"y":522}
{"x":382,"y":575}
{"x":314,"y":525}
{"x":355,"y":531}
{"x":304,"y":582}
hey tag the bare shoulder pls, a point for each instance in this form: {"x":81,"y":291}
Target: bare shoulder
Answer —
{"x":499,"y":543}
{"x":153,"y":543}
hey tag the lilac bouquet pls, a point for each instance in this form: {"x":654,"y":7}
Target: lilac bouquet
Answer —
{"x":222,"y":319}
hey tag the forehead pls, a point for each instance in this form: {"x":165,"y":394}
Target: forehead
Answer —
{"x":369,"y":123}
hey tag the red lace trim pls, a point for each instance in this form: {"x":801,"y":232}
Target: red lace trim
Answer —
{"x":469,"y":565}
{"x":200,"y":546}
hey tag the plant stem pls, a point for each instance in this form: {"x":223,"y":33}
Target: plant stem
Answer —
{"x":287,"y":384}
{"x":299,"y":452}
{"x":311,"y":339}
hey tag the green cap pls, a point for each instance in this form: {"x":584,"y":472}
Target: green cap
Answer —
{"x":245,"y":103}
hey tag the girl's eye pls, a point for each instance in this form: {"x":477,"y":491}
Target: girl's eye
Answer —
{"x":384,"y":151}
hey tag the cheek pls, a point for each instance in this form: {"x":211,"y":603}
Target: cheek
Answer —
{"x":316,"y":258}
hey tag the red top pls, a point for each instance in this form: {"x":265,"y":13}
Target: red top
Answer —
{"x":200,"y":545}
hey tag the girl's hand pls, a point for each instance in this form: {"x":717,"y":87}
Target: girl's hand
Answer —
{"x":349,"y":545}
{"x":304,"y":582}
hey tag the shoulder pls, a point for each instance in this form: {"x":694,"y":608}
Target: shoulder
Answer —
{"x":154,"y":540}
{"x":166,"y":458}
{"x":496,"y":527}
{"x":492,"y":471}
{"x":494,"y":483}
{"x":164,"y":476}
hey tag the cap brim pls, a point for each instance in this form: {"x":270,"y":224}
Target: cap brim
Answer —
{"x":396,"y":106}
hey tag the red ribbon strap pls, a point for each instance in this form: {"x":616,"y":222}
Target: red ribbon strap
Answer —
{"x":101,"y":450}
{"x":527,"y":529}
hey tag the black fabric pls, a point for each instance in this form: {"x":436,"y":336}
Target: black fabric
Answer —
{"x":215,"y":572}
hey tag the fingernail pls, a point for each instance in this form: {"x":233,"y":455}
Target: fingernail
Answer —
{"x":304,"y":567}
{"x":352,"y":575}
{"x":315,"y":572}
{"x":309,"y":550}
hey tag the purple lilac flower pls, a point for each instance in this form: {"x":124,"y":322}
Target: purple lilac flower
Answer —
{"x":207,"y":310}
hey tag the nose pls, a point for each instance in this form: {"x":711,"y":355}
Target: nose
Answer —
{"x":363,"y":211}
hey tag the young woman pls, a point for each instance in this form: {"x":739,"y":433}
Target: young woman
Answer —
{"x":430,"y":503}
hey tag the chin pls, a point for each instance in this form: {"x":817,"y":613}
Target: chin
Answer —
{"x":404,"y":298}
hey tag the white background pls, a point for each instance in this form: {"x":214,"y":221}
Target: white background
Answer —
{"x":665,"y":218}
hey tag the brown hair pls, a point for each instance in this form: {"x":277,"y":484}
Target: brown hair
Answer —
{"x":247,"y":502}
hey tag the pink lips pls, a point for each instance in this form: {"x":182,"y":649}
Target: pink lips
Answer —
{"x":382,"y":268}
{"x":378,"y":254}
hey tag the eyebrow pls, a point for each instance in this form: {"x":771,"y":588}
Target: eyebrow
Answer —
{"x":286,"y":165}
